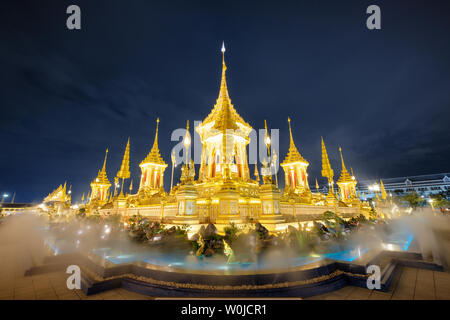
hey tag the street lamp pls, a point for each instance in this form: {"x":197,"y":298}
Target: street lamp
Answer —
{"x":187,"y":142}
{"x":5,"y":195}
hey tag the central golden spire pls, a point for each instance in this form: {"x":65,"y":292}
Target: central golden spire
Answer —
{"x":223,"y":93}
{"x":223,"y":114}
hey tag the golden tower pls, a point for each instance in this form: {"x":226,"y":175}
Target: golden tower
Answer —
{"x":327,"y":172}
{"x":152,"y":168}
{"x":224,"y":137}
{"x":295,"y":166}
{"x":224,"y":183}
{"x":124,"y":171}
{"x":100,"y":186}
{"x":346,"y":183}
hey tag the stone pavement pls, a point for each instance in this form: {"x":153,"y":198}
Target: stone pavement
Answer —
{"x":48,"y":286}
{"x":408,"y":284}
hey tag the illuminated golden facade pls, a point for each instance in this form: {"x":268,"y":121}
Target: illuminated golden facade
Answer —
{"x":347,"y":185}
{"x":295,"y":171}
{"x":152,"y":170}
{"x":100,"y":186}
{"x":59,"y":195}
{"x":223,"y":191}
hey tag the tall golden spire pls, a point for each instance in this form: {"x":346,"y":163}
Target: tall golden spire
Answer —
{"x":223,"y":114}
{"x":104,"y":163}
{"x":102,"y":178}
{"x":290,"y":131}
{"x":124,"y":172}
{"x":345,"y":176}
{"x":223,"y":93}
{"x":327,"y":172}
{"x":155,"y":143}
{"x":154,"y":156}
{"x":383,"y":190}
{"x":293,"y":154}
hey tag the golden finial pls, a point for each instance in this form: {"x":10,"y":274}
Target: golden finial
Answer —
{"x":124,"y":172}
{"x":104,"y":163}
{"x":223,"y":84}
{"x":223,"y":52}
{"x":327,"y":172}
{"x":342,"y":159}
{"x":290,"y":131}
{"x":383,"y":190}
{"x":256,"y":173}
{"x":317,"y":185}
{"x":157,"y":126}
{"x":155,"y":143}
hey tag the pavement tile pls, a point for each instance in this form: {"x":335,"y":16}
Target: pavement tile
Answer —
{"x":359,"y":294}
{"x":377,"y":295}
{"x":69,"y":297}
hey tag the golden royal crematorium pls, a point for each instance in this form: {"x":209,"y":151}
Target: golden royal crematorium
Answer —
{"x":225,"y":189}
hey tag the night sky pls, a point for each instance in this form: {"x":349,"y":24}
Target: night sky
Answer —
{"x":65,"y":96}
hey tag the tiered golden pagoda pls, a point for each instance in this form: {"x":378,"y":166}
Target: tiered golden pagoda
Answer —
{"x":223,"y":191}
{"x":224,"y":176}
{"x":152,"y":168}
{"x":295,"y":171}
{"x":347,"y":184}
{"x":328,"y":173}
{"x":59,"y":195}
{"x":100,"y":187}
{"x":123,"y":173}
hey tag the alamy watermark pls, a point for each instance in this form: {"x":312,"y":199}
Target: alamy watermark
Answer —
{"x":74,"y":280}
{"x":374,"y":280}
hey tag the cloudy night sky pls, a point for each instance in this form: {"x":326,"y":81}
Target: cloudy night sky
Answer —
{"x":67,"y":95}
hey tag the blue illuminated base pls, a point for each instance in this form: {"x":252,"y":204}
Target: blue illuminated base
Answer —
{"x":320,"y":277}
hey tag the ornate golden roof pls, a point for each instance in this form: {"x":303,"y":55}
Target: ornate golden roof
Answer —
{"x":102,"y":178}
{"x":345,"y":176}
{"x":124,"y":171}
{"x":59,"y":194}
{"x":154,"y":157}
{"x":224,"y":114}
{"x":293,"y":155}
{"x":327,"y":172}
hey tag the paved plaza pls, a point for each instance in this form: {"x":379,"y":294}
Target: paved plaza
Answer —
{"x":409,"y":283}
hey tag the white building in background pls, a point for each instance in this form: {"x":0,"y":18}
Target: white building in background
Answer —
{"x":423,"y":184}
